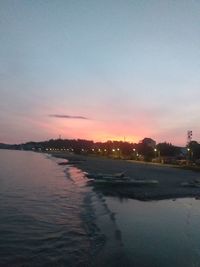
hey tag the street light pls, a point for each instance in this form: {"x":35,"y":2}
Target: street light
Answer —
{"x":189,"y":155}
{"x":134,"y":153}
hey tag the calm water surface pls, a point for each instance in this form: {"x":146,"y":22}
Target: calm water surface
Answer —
{"x":49,"y":217}
{"x":46,"y":218}
{"x":159,"y":233}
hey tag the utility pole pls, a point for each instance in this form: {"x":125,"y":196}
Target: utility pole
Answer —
{"x":189,"y":152}
{"x":189,"y":137}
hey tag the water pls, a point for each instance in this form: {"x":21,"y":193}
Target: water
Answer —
{"x":50,"y":217}
{"x":46,"y":216}
{"x":159,"y":233}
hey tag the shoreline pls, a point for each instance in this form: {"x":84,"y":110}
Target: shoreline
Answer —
{"x":99,"y":223}
{"x":169,"y":177}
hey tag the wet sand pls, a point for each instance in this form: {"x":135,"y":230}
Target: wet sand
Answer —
{"x":169,"y":178}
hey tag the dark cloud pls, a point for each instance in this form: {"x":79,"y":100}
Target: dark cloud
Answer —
{"x":67,"y":117}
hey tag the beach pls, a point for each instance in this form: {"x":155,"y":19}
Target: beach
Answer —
{"x":169,"y":178}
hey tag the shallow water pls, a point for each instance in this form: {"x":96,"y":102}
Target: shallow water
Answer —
{"x":159,"y":233}
{"x":46,"y":215}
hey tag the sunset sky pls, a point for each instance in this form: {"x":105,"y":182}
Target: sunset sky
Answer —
{"x":99,"y":70}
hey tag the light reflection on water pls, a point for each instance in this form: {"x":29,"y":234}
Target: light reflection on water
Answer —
{"x":159,"y":233}
{"x":41,"y":213}
{"x":50,"y":218}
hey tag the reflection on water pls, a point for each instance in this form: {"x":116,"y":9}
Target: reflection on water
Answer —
{"x":49,"y":217}
{"x":159,"y":233}
{"x":41,"y":213}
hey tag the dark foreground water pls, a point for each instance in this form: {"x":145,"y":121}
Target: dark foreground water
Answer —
{"x":46,"y":215}
{"x":162,"y":233}
{"x":49,"y":217}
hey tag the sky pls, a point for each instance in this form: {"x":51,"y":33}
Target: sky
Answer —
{"x":99,"y":70}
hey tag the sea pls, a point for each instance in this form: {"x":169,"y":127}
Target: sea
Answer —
{"x":51,"y":216}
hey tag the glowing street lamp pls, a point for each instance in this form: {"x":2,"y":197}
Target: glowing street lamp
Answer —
{"x":134,"y":154}
{"x":190,"y":155}
{"x":155,"y":150}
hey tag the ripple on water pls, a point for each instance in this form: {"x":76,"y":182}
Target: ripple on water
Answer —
{"x":43,"y":213}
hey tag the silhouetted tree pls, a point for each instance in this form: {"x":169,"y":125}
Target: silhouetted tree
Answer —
{"x":168,"y":150}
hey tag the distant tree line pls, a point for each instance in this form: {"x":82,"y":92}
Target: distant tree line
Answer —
{"x":118,"y":149}
{"x":144,"y":150}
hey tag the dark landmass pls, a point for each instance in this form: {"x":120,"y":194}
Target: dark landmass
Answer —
{"x":6,"y":146}
{"x":169,"y":178}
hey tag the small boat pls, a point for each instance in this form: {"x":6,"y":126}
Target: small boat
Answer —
{"x":145,"y":182}
{"x":190,"y":184}
{"x":106,"y":176}
{"x":119,"y":175}
{"x":128,"y":182}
